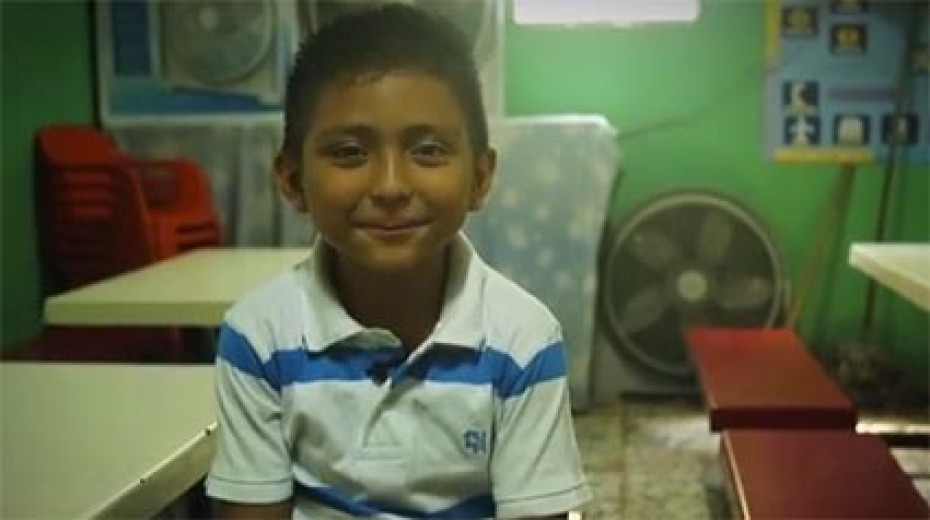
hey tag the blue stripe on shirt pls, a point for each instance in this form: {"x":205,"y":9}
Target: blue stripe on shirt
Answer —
{"x":441,"y":365}
{"x":236,"y":350}
{"x":479,"y":506}
{"x":495,"y":367}
{"x":547,"y":364}
{"x":299,"y":365}
{"x":339,"y":363}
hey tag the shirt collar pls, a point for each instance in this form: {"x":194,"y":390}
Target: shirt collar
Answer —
{"x":327,"y":322}
{"x":460,"y":322}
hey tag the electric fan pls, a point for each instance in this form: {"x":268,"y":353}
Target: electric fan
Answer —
{"x":686,"y":259}
{"x":238,"y":47}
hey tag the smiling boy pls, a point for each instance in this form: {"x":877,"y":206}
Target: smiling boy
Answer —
{"x":393,"y":374}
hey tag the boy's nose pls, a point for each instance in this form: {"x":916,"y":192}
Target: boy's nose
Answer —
{"x":391,"y":177}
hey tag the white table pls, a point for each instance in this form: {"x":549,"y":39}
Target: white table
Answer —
{"x":107,"y":441}
{"x":192,"y":289}
{"x":903,"y":268}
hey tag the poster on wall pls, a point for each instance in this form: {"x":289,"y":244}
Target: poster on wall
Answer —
{"x":842,"y":83}
{"x":172,"y":61}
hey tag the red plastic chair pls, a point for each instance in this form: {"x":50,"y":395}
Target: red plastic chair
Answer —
{"x":172,"y":195}
{"x":94,"y":226}
{"x":102,"y":213}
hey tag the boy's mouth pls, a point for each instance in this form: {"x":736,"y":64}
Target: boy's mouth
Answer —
{"x":390,"y":229}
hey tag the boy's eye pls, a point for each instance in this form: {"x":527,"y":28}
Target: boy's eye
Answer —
{"x":347,"y":154}
{"x":431,"y":153}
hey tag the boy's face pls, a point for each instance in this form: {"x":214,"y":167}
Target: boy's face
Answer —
{"x":387,"y":171}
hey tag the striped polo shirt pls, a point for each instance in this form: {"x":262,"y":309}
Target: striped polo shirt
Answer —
{"x":474,"y":423}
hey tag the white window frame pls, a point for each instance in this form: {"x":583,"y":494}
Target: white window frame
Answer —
{"x":622,"y":13}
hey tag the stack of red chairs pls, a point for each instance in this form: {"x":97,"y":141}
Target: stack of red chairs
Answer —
{"x":102,"y":212}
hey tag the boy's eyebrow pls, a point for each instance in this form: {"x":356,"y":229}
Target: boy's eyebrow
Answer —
{"x":362,"y":131}
{"x":367,"y":132}
{"x":444,"y":131}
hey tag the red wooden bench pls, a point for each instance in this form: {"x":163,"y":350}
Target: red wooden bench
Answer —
{"x":801,"y":473}
{"x":765,"y":378}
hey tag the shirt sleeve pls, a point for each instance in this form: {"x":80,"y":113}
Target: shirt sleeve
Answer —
{"x":252,"y":462}
{"x":536,"y":468}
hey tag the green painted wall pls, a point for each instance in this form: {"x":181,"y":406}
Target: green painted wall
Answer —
{"x":708,"y":79}
{"x":46,"y":76}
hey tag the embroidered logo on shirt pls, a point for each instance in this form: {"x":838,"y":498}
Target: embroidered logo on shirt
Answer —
{"x":476,"y":441}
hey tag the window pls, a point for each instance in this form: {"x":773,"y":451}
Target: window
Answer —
{"x":604,"y":12}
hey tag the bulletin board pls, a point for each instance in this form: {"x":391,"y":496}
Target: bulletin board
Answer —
{"x":173,"y":61}
{"x":832,"y":81}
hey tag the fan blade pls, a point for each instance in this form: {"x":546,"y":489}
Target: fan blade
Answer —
{"x":653,"y":249}
{"x":714,"y":238}
{"x":743,"y":292}
{"x":642,"y":310}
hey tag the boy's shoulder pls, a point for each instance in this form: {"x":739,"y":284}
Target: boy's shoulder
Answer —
{"x":513,"y":301}
{"x":272,"y":306}
{"x":272,"y":293}
{"x":515,"y":319}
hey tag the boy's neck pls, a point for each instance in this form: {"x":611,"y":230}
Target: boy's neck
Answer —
{"x":408,"y":304}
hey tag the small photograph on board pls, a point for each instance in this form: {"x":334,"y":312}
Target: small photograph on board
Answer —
{"x":849,"y":38}
{"x":801,"y":131}
{"x":800,"y":97}
{"x":851,"y":129}
{"x":901,"y":130}
{"x":799,"y":21}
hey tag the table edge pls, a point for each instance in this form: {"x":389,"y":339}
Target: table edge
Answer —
{"x":155,"y":490}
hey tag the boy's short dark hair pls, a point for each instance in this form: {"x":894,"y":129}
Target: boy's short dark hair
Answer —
{"x":376,"y":41}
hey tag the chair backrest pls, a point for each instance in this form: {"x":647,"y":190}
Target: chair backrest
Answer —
{"x":91,"y":210}
{"x":101,"y":231}
{"x":67,"y":145}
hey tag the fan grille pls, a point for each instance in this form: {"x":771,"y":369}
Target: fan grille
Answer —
{"x":686,"y":259}
{"x":218,"y":42}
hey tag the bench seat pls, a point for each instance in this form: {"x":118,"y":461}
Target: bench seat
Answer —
{"x":765,"y":378}
{"x":820,"y":473}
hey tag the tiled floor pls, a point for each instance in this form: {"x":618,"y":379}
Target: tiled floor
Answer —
{"x":658,"y":460}
{"x":648,"y":461}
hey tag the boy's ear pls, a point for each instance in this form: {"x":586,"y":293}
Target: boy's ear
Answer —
{"x":287,"y":179}
{"x":485,"y":168}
